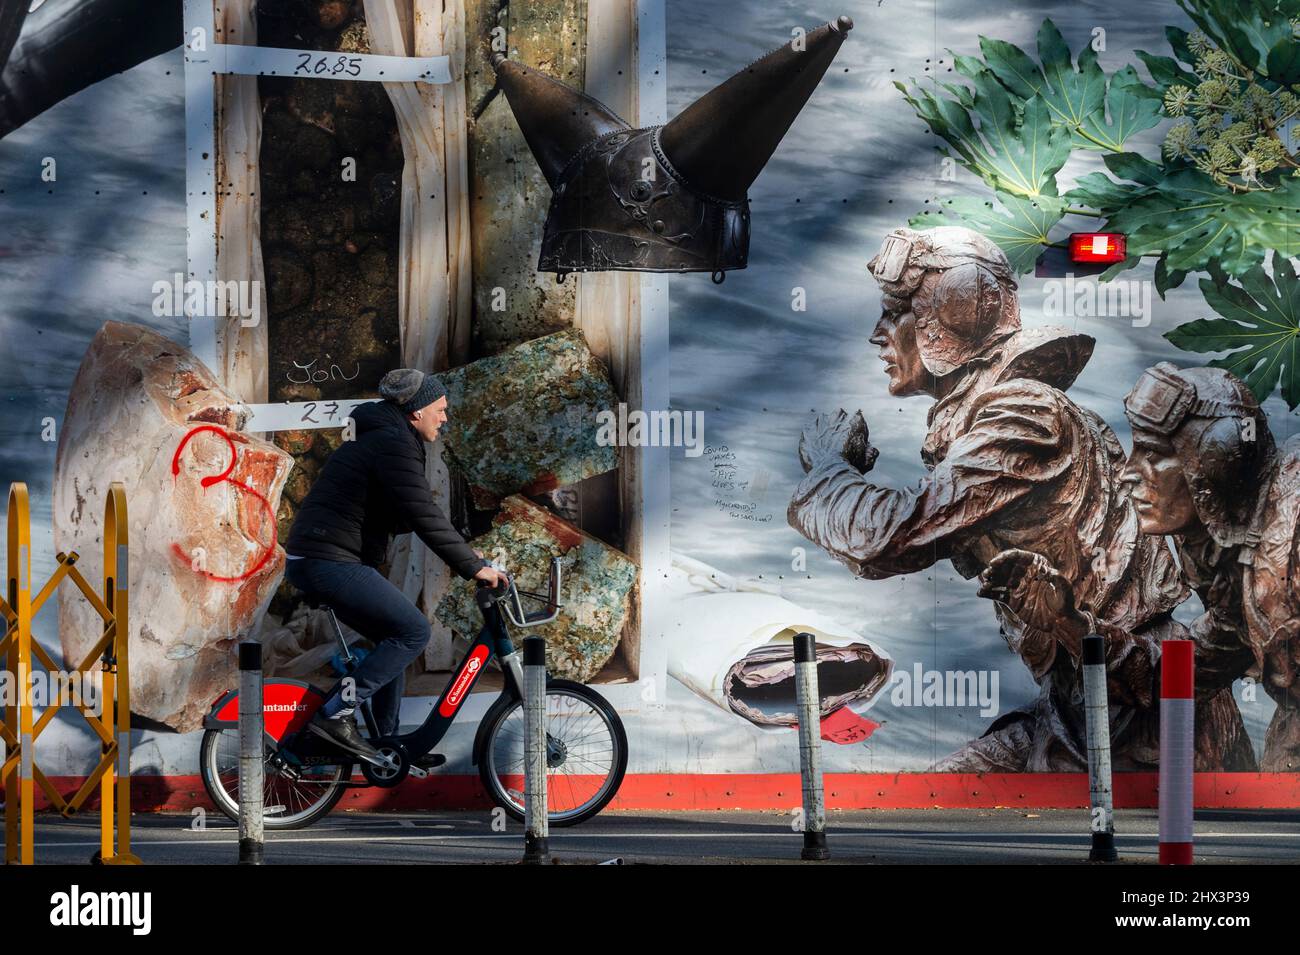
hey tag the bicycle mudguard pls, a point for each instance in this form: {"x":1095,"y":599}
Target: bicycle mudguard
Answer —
{"x":287,"y":705}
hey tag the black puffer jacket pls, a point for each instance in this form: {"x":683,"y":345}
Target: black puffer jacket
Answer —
{"x":372,"y":488}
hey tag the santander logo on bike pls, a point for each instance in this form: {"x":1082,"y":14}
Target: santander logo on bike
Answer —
{"x":464,"y":680}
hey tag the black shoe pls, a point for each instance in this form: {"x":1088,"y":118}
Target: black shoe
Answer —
{"x":429,"y":761}
{"x":343,"y":733}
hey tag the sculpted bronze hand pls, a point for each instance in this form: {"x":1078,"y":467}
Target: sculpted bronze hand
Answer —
{"x":837,"y":437}
{"x":1036,"y":592}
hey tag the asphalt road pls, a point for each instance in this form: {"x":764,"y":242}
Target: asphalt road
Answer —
{"x":869,"y":836}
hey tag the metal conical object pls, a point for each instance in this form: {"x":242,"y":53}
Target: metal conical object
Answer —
{"x":557,"y":121}
{"x":722,"y":141}
{"x":666,"y":198}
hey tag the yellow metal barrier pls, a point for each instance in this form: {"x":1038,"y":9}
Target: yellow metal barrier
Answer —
{"x":19,"y":729}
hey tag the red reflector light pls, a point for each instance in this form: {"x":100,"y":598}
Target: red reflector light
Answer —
{"x":1098,"y":247}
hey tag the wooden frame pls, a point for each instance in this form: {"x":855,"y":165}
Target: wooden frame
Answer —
{"x":623,"y":315}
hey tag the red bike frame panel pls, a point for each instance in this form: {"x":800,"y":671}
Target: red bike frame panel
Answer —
{"x":287,"y":705}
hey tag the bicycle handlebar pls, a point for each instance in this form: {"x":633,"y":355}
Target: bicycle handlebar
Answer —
{"x":502,"y":587}
{"x":508,"y":596}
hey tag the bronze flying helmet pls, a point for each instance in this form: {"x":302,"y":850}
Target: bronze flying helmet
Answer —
{"x":670,"y":198}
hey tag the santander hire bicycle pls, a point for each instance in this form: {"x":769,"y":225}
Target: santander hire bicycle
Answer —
{"x":586,"y":745}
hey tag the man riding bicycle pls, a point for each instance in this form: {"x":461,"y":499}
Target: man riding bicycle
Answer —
{"x":370,"y":489}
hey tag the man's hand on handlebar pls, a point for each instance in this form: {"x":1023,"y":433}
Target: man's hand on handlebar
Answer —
{"x":492,"y":577}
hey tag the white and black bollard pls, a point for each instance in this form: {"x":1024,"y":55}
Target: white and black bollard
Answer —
{"x":251,"y":755}
{"x":1096,"y":710}
{"x":1177,"y":750}
{"x":536,"y":821}
{"x":810,"y":748}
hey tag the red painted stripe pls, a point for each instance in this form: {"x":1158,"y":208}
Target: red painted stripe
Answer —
{"x":1175,"y":853}
{"x":666,"y":791}
{"x":1176,"y":676}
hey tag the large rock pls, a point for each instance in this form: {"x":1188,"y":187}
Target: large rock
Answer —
{"x":596,"y":582}
{"x":525,"y":421}
{"x":204,"y":562}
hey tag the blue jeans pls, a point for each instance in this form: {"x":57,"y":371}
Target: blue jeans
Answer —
{"x":368,"y":603}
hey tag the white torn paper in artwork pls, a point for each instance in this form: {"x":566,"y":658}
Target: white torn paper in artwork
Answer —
{"x":731,"y":642}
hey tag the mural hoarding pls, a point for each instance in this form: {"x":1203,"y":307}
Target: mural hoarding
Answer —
{"x":818,"y":364}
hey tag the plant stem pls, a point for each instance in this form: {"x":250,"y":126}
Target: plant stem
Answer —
{"x":1094,"y":139}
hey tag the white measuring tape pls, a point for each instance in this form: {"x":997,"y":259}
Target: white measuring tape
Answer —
{"x":301,"y":415}
{"x":327,"y":64}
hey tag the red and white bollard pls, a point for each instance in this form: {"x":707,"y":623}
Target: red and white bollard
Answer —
{"x":1177,"y":751}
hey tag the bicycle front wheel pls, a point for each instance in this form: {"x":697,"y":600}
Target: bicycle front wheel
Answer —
{"x":586,"y":753}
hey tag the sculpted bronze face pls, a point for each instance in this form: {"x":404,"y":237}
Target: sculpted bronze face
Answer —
{"x":1215,"y":431}
{"x":1161,"y":497}
{"x":895,"y":336}
{"x":959,"y":287}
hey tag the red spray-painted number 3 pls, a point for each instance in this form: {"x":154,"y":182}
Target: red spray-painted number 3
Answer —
{"x":224,"y":476}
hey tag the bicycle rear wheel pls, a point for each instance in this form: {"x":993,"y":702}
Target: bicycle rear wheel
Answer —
{"x":287,"y":803}
{"x":586,"y":753}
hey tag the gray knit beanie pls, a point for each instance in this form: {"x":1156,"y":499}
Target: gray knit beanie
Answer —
{"x":410,"y":389}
